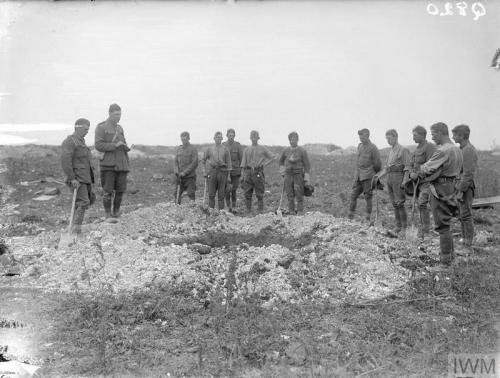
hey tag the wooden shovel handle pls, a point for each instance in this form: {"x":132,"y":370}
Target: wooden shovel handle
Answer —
{"x":72,"y":209}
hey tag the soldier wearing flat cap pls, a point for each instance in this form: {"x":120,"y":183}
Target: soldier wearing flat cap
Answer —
{"x":76,"y":164}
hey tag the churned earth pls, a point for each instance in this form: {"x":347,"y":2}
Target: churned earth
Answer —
{"x":174,"y":290}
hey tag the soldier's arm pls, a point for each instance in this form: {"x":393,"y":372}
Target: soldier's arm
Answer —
{"x":406,"y":159}
{"x":377,"y":163}
{"x":229,"y":163}
{"x":68,"y":149}
{"x":176,"y":162}
{"x":100,"y":144}
{"x":269,"y":155}
{"x":469,"y":169}
{"x":243,"y":163}
{"x":282,"y":158}
{"x":307,"y":163}
{"x":433,"y":164}
{"x":194,"y":161}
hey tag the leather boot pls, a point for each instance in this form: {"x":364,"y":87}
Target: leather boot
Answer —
{"x":248,"y":204}
{"x":228,"y":199}
{"x":352,"y":209}
{"x":117,"y":202}
{"x":291,"y":206}
{"x":446,"y":246}
{"x":106,"y":202}
{"x":221,"y":204}
{"x":468,"y":233}
{"x":300,"y":207}
{"x":426,"y":221}
{"x":211,"y":202}
{"x":403,"y":217}
{"x":260,"y":205}
{"x":397,"y":215}
{"x":369,"y":207}
{"x":78,"y":220}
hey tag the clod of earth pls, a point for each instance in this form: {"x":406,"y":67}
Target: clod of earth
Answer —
{"x":292,"y":259}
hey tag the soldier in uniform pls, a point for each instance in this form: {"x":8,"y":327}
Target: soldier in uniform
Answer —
{"x":255,"y":158}
{"x":396,"y":164}
{"x":236,"y":152}
{"x":76,"y":164}
{"x":185,"y":164}
{"x":465,"y":184}
{"x":422,"y":154}
{"x":296,"y":169}
{"x":367,"y":165}
{"x":114,"y":162}
{"x":217,"y":168}
{"x":447,"y":163}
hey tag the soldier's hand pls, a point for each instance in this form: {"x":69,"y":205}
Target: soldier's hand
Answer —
{"x":182,"y":174}
{"x":413,"y":175}
{"x":74,"y":184}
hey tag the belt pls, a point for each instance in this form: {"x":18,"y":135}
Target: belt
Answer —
{"x":255,"y":169}
{"x":394,"y":169}
{"x":446,"y":178}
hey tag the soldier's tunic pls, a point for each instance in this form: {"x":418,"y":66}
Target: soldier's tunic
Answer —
{"x":217,"y":162}
{"x":296,"y":163}
{"x":76,"y":163}
{"x":448,"y":160}
{"x":236,"y":151}
{"x":466,"y":185}
{"x":252,"y":165}
{"x":422,"y":154}
{"x":186,"y":162}
{"x":114,"y":163}
{"x":367,"y":164}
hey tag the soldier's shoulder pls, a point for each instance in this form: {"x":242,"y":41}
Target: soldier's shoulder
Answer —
{"x":101,"y":124}
{"x":67,"y":140}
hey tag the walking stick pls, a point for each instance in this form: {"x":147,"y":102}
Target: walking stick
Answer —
{"x":66,"y":235}
{"x":204,"y":192}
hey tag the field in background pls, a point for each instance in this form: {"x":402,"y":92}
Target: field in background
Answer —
{"x":132,"y":335}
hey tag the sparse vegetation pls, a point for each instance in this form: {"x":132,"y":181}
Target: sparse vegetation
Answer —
{"x":164,"y":329}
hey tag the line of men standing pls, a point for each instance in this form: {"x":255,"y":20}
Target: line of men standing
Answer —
{"x":442,"y":174}
{"x":226,"y":164}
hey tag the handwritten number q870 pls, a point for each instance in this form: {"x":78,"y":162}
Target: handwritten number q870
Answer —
{"x":477,"y":9}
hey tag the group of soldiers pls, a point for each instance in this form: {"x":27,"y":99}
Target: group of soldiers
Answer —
{"x":441,"y":174}
{"x":226,"y":164}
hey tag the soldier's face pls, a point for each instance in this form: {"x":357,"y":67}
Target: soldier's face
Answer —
{"x":391,"y":139}
{"x":230,"y":137}
{"x":184,"y":139}
{"x":115,"y":116}
{"x":418,"y":138}
{"x":294,"y":140}
{"x":363,"y":138}
{"x":458,"y":138}
{"x":437,"y":137}
{"x":218,"y":139}
{"x":254,"y":138}
{"x":82,"y":131}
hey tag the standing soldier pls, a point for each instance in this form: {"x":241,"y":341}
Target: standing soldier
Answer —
{"x":295,"y":167}
{"x":185,"y":163}
{"x":114,"y":163}
{"x":236,"y":152}
{"x":466,"y":184}
{"x":396,"y":164}
{"x":217,"y":168}
{"x":76,"y":164}
{"x":255,"y":158}
{"x":422,"y":154}
{"x":447,"y":161}
{"x":367,"y":165}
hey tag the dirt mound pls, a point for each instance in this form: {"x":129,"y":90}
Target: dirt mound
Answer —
{"x":294,"y":259}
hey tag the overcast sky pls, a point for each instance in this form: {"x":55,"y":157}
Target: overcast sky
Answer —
{"x":324,"y":69}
